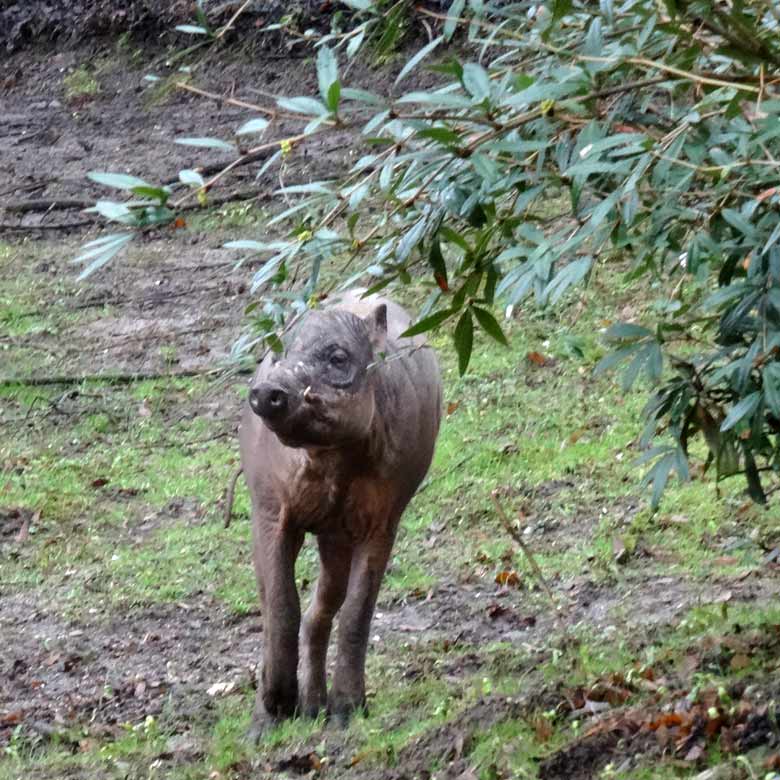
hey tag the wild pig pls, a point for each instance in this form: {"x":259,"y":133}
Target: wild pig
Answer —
{"x":337,"y":435}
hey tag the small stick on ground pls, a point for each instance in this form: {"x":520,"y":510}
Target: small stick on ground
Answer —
{"x":46,"y":204}
{"x":523,"y":546}
{"x":231,"y":491}
{"x":24,"y":531}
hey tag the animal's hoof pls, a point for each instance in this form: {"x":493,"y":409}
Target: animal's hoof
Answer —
{"x":261,"y":724}
{"x":310,"y":709}
{"x":342,"y":708}
{"x":312,"y":698}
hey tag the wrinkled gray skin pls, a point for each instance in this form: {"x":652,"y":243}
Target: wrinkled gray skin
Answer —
{"x":334,"y":441}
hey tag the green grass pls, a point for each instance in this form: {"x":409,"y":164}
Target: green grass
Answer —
{"x":130,"y":519}
{"x":80,"y":82}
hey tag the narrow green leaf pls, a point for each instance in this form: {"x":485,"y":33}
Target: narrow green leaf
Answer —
{"x":120,"y":181}
{"x":421,"y":55}
{"x":327,"y":71}
{"x":624,"y":331}
{"x":192,"y":29}
{"x":115,"y":212}
{"x":113,"y":244}
{"x":257,"y":246}
{"x":442,"y":135}
{"x":448,"y":234}
{"x":191,"y":177}
{"x":362,"y":96}
{"x":464,"y":340}
{"x":356,"y":41}
{"x":755,"y":489}
{"x":456,"y":9}
{"x":741,"y":410}
{"x":490,"y":325}
{"x":428,"y":323}
{"x":257,"y":125}
{"x":661,"y":472}
{"x":265,"y":273}
{"x":476,"y":81}
{"x":612,"y":359}
{"x":436,"y":261}
{"x":207,"y":143}
{"x":359,"y":5}
{"x":302,"y":105}
{"x":771,"y":378}
{"x":332,"y":98}
{"x":154,"y":193}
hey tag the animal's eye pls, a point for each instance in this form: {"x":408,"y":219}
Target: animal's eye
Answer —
{"x":338,"y":359}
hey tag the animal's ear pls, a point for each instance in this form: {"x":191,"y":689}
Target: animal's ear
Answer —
{"x":377,"y":327}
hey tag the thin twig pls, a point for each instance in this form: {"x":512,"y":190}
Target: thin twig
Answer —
{"x":523,"y":546}
{"x":45,"y":204}
{"x":232,"y":19}
{"x":272,"y":112}
{"x":61,"y":226}
{"x":231,"y":491}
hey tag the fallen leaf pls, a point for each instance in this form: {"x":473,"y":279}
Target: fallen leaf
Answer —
{"x":543,"y":728}
{"x":179,"y":223}
{"x":24,"y":531}
{"x":99,"y":482}
{"x":508,"y":578}
{"x":725,"y":560}
{"x":537,"y":358}
{"x":772,"y":762}
{"x":221,"y":688}
{"x":452,"y":407}
{"x":12,"y":718}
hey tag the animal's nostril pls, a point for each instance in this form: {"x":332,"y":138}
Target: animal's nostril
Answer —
{"x":268,"y":400}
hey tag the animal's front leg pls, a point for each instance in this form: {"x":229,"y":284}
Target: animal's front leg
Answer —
{"x":275,"y":549}
{"x":368,"y":568}
{"x":335,"y":562}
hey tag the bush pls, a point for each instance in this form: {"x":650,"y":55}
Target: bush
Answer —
{"x":654,"y":126}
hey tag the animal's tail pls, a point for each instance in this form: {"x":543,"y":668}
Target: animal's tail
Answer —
{"x":231,"y":491}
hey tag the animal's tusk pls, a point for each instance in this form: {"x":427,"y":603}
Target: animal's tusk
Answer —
{"x":307,"y":393}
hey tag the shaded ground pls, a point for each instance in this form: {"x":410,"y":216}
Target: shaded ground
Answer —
{"x":128,"y":626}
{"x":67,"y":21}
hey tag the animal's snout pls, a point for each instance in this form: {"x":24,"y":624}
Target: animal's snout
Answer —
{"x":268,"y":400}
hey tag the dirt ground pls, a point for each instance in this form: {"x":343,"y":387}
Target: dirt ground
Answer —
{"x":175,"y":306}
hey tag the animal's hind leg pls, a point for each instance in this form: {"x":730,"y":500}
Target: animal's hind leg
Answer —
{"x":368,"y":568}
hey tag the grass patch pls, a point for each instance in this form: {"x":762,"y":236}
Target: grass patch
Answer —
{"x":80,"y":82}
{"x":127,"y":482}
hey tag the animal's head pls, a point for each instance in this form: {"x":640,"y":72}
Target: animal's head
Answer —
{"x":319,"y":393}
